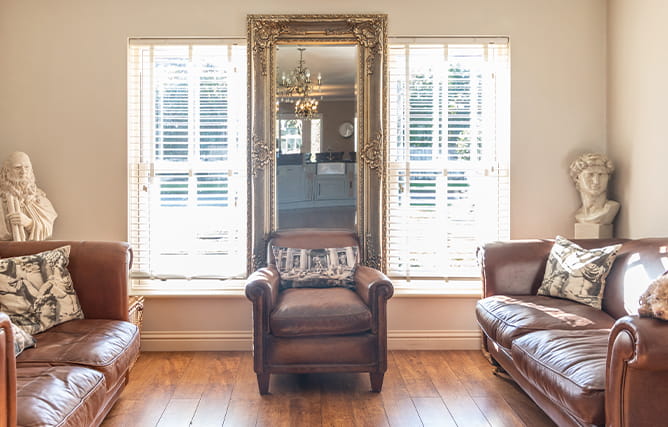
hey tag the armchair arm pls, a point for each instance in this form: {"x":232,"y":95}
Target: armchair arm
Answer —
{"x":372,"y":284}
{"x":7,"y":374}
{"x":637,"y":372}
{"x":262,"y":290}
{"x":375,"y":289}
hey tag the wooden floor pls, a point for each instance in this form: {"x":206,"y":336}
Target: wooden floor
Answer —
{"x":422,"y":388}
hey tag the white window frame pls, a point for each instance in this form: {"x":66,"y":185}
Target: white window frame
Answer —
{"x":214,"y":174}
{"x":491,"y":170}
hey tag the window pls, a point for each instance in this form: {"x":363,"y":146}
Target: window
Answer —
{"x":294,"y":132}
{"x":187,"y":160}
{"x":448,"y":155}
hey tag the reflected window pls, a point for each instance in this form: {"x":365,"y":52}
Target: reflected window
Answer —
{"x":296,"y":135}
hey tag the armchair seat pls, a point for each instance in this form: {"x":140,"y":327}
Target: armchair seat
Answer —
{"x":328,"y":311}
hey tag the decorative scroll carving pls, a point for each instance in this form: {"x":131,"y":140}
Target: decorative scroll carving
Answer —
{"x":372,"y":257}
{"x":264,"y":34}
{"x":260,"y":155}
{"x":372,"y":153}
{"x":370,"y":34}
{"x":259,"y":258}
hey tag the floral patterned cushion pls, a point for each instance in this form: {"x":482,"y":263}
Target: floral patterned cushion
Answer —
{"x":36,"y":291}
{"x":577,"y":274}
{"x":316,"y":268}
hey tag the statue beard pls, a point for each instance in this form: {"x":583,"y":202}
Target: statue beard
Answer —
{"x":24,"y":189}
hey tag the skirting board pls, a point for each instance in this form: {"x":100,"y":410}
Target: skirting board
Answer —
{"x":241,"y":340}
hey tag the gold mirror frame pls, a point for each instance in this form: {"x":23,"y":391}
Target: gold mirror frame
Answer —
{"x":369,"y":33}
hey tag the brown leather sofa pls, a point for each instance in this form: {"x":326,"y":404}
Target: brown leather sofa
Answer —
{"x":78,"y":369}
{"x":306,"y":330}
{"x":581,"y":365}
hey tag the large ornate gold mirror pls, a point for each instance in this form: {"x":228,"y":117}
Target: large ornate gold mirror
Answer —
{"x":317,"y":122}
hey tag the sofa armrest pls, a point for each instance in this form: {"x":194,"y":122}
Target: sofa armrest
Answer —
{"x":637,"y":372}
{"x":513,"y":267}
{"x":99,"y":271}
{"x":7,"y":373}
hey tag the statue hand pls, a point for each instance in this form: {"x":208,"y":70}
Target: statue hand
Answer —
{"x":19,"y":218}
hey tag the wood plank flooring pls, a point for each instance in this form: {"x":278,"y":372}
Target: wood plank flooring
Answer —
{"x":421,"y":388}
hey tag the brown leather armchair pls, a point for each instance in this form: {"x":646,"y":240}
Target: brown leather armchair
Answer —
{"x":307,"y":330}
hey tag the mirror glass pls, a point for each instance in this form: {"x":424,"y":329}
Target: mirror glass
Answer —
{"x":316,"y":138}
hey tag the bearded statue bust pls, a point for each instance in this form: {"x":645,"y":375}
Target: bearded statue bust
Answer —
{"x":25,"y":212}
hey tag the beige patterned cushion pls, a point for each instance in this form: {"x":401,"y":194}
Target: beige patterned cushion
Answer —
{"x":36,"y":291}
{"x":577,"y":274}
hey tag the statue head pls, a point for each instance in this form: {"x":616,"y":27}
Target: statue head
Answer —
{"x":17,"y":176}
{"x":591,"y":172}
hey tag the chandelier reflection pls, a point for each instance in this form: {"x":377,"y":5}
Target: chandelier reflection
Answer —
{"x":306,"y":108}
{"x":298,"y":84}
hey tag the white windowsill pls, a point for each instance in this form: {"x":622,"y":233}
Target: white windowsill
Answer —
{"x":235,"y":289}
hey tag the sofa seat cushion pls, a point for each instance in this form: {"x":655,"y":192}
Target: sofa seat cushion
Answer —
{"x":58,"y":395}
{"x":108,"y":346}
{"x":311,"y":311}
{"x":568,"y":367}
{"x":503,"y":318}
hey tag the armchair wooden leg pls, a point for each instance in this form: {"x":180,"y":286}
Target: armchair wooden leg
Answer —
{"x":263,"y":383}
{"x":376,"y":381}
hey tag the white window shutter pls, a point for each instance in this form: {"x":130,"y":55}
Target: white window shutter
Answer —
{"x":186,"y":159}
{"x":448,"y":147}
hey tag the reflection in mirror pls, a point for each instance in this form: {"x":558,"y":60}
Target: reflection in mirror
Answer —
{"x":316,"y":144}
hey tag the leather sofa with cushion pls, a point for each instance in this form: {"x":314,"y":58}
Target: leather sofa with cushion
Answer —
{"x":581,"y":365}
{"x":77,"y":370}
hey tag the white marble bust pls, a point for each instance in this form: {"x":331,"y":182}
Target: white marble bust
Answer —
{"x":25,"y":212}
{"x":591,"y":173}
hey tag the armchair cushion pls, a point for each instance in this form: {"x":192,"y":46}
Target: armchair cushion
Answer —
{"x":312,"y":311}
{"x":316,"y":268}
{"x":36,"y":291}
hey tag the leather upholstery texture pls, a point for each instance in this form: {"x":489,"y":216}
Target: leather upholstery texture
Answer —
{"x":569,"y":366}
{"x":78,"y":369}
{"x":58,"y":395}
{"x":108,"y":346}
{"x":505,"y":318}
{"x":318,"y":329}
{"x":328,"y":311}
{"x":582,"y":366}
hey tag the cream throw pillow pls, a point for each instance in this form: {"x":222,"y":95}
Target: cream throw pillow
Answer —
{"x":36,"y":291}
{"x":577,"y":274}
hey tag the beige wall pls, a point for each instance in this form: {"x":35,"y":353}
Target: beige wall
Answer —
{"x":63,"y":100}
{"x":637,"y":120}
